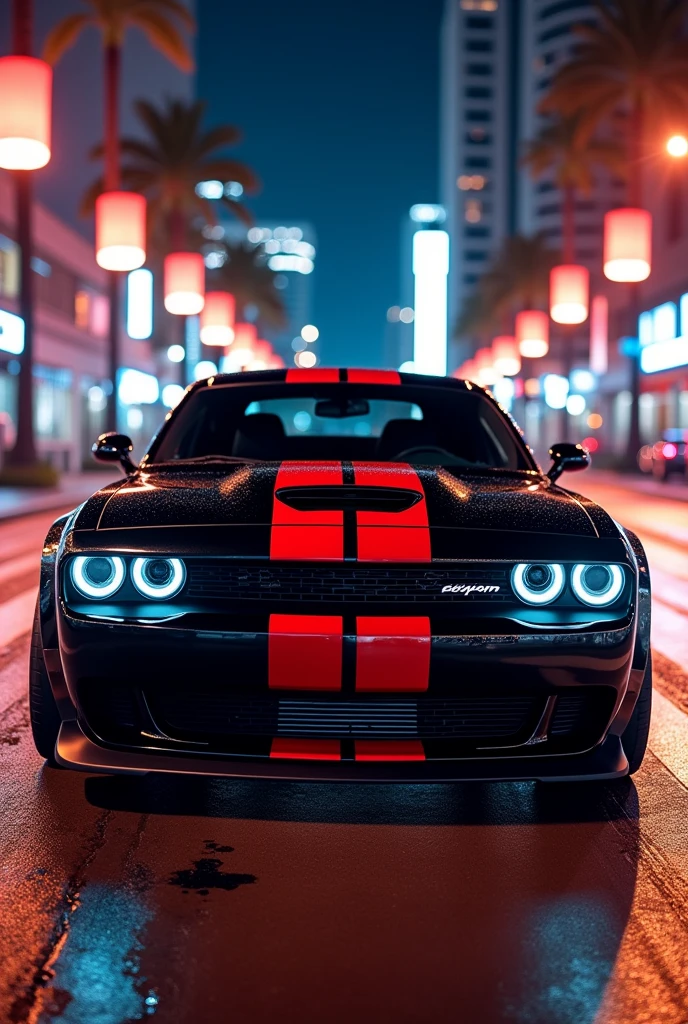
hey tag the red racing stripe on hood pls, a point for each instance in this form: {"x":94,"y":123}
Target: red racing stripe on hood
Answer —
{"x":392,"y":653}
{"x":392,"y":536}
{"x":305,"y":652}
{"x":306,"y":536}
{"x":306,"y":750}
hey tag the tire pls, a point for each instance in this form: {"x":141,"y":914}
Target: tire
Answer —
{"x":634,"y":738}
{"x":45,"y":718}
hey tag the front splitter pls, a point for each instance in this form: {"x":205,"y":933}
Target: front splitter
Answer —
{"x":75,"y":750}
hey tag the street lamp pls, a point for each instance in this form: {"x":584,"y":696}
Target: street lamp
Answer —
{"x":26,"y":90}
{"x":217,"y":319}
{"x":677,"y":146}
{"x":569,"y":290}
{"x":120,"y":231}
{"x":532,"y":333}
{"x":184,"y":283}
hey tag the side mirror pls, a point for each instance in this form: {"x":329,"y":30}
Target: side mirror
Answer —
{"x":114,"y":447}
{"x":567,"y":457}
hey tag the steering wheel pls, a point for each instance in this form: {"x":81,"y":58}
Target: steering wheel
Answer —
{"x":422,"y":450}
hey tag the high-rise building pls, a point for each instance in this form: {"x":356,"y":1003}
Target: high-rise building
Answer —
{"x":479,"y":66}
{"x":548,"y":42}
{"x":289,"y":249}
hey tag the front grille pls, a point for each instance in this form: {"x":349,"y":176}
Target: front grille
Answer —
{"x":569,"y":714}
{"x":222,"y":579}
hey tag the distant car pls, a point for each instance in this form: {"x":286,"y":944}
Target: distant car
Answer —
{"x":667,"y":458}
{"x":343,"y":575}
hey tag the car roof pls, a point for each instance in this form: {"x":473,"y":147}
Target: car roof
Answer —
{"x":335,"y":375}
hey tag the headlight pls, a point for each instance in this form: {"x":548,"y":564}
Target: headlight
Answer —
{"x":538,"y":583}
{"x":597,"y":584}
{"x":158,"y":578}
{"x":97,"y":576}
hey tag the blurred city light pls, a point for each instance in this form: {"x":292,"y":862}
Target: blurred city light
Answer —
{"x":427,"y":213}
{"x":583,"y":381}
{"x":406,"y":315}
{"x":233,"y":189}
{"x":505,"y":355}
{"x":677,"y":146}
{"x":210,"y":189}
{"x":594,"y":421}
{"x":599,"y":335}
{"x":408,"y":367}
{"x":430,"y":269}
{"x":310,"y":333}
{"x":306,"y":359}
{"x":204,"y":369}
{"x":504,"y":391}
{"x":137,"y":388}
{"x":627,"y":245}
{"x":25,"y":112}
{"x":575,"y":405}
{"x":120,"y":230}
{"x":172,"y":395}
{"x":591,"y":443}
{"x":11,"y":333}
{"x":134,"y":419}
{"x":176,"y":353}
{"x":556,"y":389}
{"x":140,"y":304}
{"x":393,"y":314}
{"x":301,"y":264}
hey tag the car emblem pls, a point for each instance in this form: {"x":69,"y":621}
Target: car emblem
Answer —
{"x":468,"y":588}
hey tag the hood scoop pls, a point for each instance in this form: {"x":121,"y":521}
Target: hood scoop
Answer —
{"x":348,"y":498}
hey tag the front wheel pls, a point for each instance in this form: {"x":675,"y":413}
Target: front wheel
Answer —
{"x":45,"y":718}
{"x":636,"y":733}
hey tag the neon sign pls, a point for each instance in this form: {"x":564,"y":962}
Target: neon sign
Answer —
{"x":662,"y":345}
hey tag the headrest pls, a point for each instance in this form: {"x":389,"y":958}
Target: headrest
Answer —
{"x":399,"y":435}
{"x":259,"y":436}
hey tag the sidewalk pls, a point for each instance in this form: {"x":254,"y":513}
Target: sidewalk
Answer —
{"x":72,"y":489}
{"x":639,"y":482}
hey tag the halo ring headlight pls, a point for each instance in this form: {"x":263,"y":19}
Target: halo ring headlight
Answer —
{"x":597,"y":585}
{"x":97,"y":576}
{"x":158,"y":578}
{"x":538,"y":583}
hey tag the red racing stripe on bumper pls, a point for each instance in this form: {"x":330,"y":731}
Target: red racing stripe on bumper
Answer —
{"x":389,"y":750}
{"x":392,"y":536}
{"x":305,"y":652}
{"x":306,"y":536}
{"x":306,"y":750}
{"x":373,"y":377}
{"x":300,"y":375}
{"x":392,"y":653}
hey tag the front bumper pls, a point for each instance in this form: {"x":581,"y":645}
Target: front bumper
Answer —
{"x":169,"y":672}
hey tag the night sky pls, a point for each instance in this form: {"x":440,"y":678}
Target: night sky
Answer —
{"x":338,"y":103}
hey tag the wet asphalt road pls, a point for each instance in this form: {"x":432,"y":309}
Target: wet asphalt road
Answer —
{"x":194,"y":900}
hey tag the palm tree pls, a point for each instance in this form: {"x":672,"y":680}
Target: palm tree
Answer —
{"x":518,"y":278}
{"x":561,"y":147}
{"x":160,"y":21}
{"x":635,"y":60}
{"x":247,"y":276}
{"x":167,"y":165}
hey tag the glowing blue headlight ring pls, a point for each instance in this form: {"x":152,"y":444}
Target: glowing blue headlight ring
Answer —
{"x":537,"y":596}
{"x":588,"y":597}
{"x":158,"y":593}
{"x":86,"y":588}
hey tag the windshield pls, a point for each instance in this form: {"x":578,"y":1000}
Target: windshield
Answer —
{"x":414,"y":424}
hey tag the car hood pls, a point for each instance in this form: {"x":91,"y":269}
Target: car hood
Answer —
{"x":245,"y":495}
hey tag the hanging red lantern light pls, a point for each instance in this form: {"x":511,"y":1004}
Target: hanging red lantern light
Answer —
{"x":569,"y":292}
{"x":184,"y":279}
{"x":627,"y":244}
{"x":120,"y":230}
{"x":262,"y":354}
{"x":245,"y":338}
{"x":486,"y":374}
{"x":26,"y":89}
{"x":217,"y":319}
{"x":505,"y":355}
{"x":532,"y":333}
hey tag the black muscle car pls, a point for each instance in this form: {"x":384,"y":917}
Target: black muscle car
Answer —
{"x":342,"y":574}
